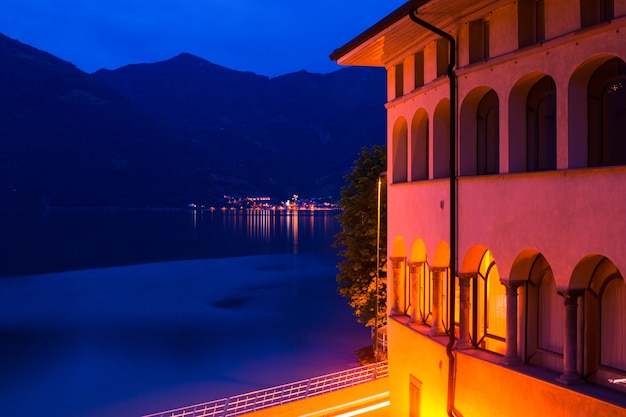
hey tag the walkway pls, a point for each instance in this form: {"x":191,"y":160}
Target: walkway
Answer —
{"x":307,"y":394}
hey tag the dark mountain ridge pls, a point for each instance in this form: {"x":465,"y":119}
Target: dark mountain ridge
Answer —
{"x":181,"y":130}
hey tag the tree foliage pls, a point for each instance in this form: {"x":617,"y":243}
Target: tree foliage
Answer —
{"x":358,"y":237}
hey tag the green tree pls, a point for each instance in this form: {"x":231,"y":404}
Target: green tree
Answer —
{"x":361,"y":230}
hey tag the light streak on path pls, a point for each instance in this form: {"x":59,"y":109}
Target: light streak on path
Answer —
{"x":359,"y":411}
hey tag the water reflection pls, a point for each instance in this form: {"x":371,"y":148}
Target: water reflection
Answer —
{"x":265,"y":227}
{"x":34,"y":242}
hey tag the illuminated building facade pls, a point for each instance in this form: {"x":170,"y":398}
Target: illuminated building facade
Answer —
{"x":537,"y":205}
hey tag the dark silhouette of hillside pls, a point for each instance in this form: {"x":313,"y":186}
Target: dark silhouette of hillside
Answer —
{"x":173,"y":132}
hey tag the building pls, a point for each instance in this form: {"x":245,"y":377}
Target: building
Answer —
{"x":508,"y":168}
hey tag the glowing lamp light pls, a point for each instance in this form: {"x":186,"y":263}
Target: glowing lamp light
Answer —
{"x":617,"y":381}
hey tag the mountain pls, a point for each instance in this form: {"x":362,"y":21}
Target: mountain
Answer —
{"x":176,"y":131}
{"x":297,"y":133}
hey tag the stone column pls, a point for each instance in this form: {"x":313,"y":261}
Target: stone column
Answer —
{"x":465,"y":280}
{"x":511,"y":356}
{"x":396,"y":280}
{"x":415,"y":276}
{"x":570,"y":374}
{"x":437,"y":328}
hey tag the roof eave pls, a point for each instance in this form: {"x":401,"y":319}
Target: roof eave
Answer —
{"x":343,"y":54}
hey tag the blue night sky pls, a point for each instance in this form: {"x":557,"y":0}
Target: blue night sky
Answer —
{"x":268,"y":37}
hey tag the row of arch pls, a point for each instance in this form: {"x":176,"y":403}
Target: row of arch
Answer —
{"x":492,"y":311}
{"x":596,"y":119}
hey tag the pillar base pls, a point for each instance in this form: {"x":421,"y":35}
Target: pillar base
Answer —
{"x":570,"y":379}
{"x":437,"y":332}
{"x":461,"y":344}
{"x":511,"y":361}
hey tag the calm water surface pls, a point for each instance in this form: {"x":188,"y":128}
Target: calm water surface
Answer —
{"x":127,"y":312}
{"x":68,"y":239}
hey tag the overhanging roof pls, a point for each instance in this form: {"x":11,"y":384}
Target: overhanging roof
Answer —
{"x":388,"y":41}
{"x":370,"y":44}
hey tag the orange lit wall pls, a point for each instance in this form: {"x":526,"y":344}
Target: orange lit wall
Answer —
{"x":483,"y":387}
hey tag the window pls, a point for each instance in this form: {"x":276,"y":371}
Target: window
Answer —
{"x":544,"y":318}
{"x":604,"y":355}
{"x":400,"y":286}
{"x":479,"y":40}
{"x":607,"y":115}
{"x":419,"y":147}
{"x":488,"y":318}
{"x":424,"y":294}
{"x":531,"y":22}
{"x":488,"y":135}
{"x":399,"y":80}
{"x":441,"y":140}
{"x":541,"y":126}
{"x":442,"y":57}
{"x":419,"y":68}
{"x":593,"y":12}
{"x":399,"y":155}
{"x":613,"y":324}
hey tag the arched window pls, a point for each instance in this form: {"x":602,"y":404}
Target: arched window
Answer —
{"x":419,"y":147}
{"x":400,"y":286}
{"x":541,"y":126}
{"x":613,"y":324}
{"x":544,"y":318}
{"x":607,"y":115}
{"x":399,"y":154}
{"x":488,"y":316}
{"x":488,"y":135}
{"x":604,"y":355}
{"x":441,"y":140}
{"x":424,"y":294}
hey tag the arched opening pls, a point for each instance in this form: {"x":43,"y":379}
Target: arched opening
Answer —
{"x":479,"y":133}
{"x":488,"y":320}
{"x":399,"y":157}
{"x":440,"y":274}
{"x":398,"y":292}
{"x":518,"y":120}
{"x":578,"y":111}
{"x":604,"y":329}
{"x":419,"y":146}
{"x":441,"y":140}
{"x":541,"y":126}
{"x":544,"y":318}
{"x":607,"y":114}
{"x":488,"y":135}
{"x":421,"y":284}
{"x":487,"y":301}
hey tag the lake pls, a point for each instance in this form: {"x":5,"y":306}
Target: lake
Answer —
{"x":66,"y":239}
{"x":128,"y":312}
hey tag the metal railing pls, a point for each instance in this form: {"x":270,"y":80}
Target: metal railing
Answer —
{"x":381,"y":339}
{"x":270,"y":397}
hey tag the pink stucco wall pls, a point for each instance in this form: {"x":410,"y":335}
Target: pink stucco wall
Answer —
{"x":565,"y":215}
